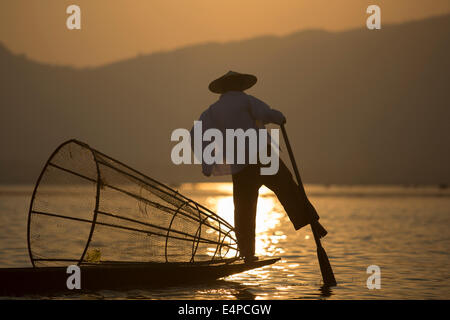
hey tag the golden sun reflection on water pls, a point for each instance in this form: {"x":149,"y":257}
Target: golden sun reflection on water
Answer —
{"x":268,"y":217}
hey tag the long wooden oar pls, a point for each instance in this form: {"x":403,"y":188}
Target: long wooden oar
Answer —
{"x":325,"y":266}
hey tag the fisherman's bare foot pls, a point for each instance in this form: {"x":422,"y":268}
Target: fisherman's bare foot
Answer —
{"x":250,"y":259}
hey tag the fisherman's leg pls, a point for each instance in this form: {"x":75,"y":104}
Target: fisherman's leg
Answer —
{"x":245,"y":196}
{"x":295,"y":202}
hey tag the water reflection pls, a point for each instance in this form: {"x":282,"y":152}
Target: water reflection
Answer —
{"x":235,"y":290}
{"x":325,"y":291}
{"x":404,"y":230}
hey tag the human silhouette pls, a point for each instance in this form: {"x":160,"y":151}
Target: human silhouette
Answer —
{"x":237,"y":110}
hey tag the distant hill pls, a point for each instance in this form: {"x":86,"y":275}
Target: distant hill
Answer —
{"x":362,"y":106}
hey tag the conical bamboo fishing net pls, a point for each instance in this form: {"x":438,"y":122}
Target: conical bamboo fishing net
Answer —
{"x":88,"y":208}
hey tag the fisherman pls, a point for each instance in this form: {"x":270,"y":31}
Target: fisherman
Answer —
{"x":237,"y":110}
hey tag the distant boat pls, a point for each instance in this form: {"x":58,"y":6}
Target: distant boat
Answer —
{"x":122,"y":228}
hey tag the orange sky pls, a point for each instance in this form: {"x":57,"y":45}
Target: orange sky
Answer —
{"x":118,"y":29}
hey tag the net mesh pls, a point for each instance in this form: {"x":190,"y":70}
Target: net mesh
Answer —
{"x":89,"y":208}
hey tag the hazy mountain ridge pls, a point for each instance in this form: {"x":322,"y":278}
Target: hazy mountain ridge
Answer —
{"x":362,"y":106}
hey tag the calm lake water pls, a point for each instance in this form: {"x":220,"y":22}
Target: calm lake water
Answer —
{"x":403,"y":230}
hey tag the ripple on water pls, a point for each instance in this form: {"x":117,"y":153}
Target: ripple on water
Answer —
{"x":406,"y":236}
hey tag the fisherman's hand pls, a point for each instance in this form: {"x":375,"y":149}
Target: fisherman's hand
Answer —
{"x":279,"y":117}
{"x":282,"y":119}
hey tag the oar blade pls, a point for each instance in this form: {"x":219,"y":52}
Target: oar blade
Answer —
{"x":325,"y":268}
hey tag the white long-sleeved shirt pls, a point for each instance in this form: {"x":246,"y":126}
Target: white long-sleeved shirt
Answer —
{"x":235,"y":110}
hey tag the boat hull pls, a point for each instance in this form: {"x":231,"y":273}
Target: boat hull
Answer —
{"x":45,"y":280}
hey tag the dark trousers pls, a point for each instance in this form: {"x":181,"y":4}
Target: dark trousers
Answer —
{"x":246,"y":184}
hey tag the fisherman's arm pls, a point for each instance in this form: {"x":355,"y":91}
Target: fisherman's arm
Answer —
{"x":262,"y":112}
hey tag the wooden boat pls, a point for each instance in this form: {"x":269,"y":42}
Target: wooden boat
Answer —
{"x":121,"y":276}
